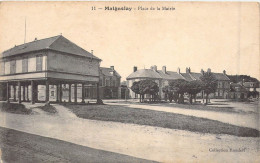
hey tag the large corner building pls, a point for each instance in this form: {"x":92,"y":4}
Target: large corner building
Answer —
{"x":54,"y":62}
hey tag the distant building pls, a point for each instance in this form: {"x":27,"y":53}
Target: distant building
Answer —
{"x":238,"y":91}
{"x":124,"y":90}
{"x":223,"y":82}
{"x":163,"y":77}
{"x":49,"y":64}
{"x":110,"y":88}
{"x":250,"y":86}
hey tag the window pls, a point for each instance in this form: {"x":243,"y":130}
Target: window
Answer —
{"x":7,"y":67}
{"x":39,"y":63}
{"x":114,"y":83}
{"x":13,"y":67}
{"x":219,"y":84}
{"x":2,"y":68}
{"x":52,"y":93}
{"x":100,"y":82}
{"x":216,"y":93}
{"x":107,"y":82}
{"x":220,"y":93}
{"x":25,"y":65}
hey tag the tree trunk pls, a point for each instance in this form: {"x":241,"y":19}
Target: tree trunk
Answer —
{"x":190,"y":98}
{"x":207,"y":96}
{"x":140,"y":98}
{"x":203,"y":97}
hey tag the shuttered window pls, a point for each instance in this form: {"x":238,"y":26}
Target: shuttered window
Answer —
{"x":13,"y":67}
{"x":25,"y":65}
{"x":39,"y":63}
{"x":2,"y":68}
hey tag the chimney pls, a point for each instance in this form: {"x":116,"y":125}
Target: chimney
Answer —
{"x":243,"y":81}
{"x":112,"y":68}
{"x":35,"y":39}
{"x":164,"y":69}
{"x":224,"y":72}
{"x":178,"y":70}
{"x":154,"y":68}
{"x":135,"y":68}
{"x":92,"y":52}
{"x":209,"y":70}
{"x":202,"y":71}
{"x":187,"y":70}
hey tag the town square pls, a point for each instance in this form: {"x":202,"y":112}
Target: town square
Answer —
{"x":77,"y":87}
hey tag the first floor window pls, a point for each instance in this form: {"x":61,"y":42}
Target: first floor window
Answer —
{"x":7,"y":67}
{"x":107,"y":82}
{"x":39,"y":63}
{"x":25,"y":65}
{"x":13,"y":67}
{"x":2,"y":68}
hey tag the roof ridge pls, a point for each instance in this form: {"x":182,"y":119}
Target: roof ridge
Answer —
{"x":59,"y":36}
{"x":92,"y":55}
{"x":30,"y":43}
{"x":181,"y":75}
{"x":192,"y":76}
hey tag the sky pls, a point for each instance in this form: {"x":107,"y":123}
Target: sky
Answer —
{"x":199,"y":35}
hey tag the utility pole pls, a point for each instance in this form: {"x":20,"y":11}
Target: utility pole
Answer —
{"x":25,"y":30}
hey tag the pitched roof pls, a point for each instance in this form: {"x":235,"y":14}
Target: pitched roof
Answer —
{"x":109,"y":72}
{"x":221,"y":76}
{"x":250,"y":84}
{"x":187,"y":76}
{"x":58,"y":43}
{"x":196,"y":76}
{"x":144,"y":73}
{"x":237,"y":85}
{"x":170,"y":75}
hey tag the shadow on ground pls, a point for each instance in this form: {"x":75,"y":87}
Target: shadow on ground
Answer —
{"x":14,"y":108}
{"x":48,"y":108}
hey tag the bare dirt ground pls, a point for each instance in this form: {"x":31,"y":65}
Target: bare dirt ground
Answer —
{"x":147,"y":142}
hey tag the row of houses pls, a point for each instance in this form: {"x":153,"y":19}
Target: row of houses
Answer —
{"x":56,"y":69}
{"x":225,"y":89}
{"x":163,"y":77}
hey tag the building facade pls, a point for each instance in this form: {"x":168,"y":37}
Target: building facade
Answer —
{"x":223,"y":82}
{"x":238,"y":91}
{"x":53,"y":63}
{"x":163,"y":77}
{"x":109,"y":87}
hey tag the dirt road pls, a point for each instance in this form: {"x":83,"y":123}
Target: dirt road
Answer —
{"x":151,"y":143}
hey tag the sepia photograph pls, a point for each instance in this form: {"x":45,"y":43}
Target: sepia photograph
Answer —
{"x":129,"y":82}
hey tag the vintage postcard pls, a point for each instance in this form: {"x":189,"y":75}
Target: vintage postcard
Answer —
{"x":129,"y":82}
